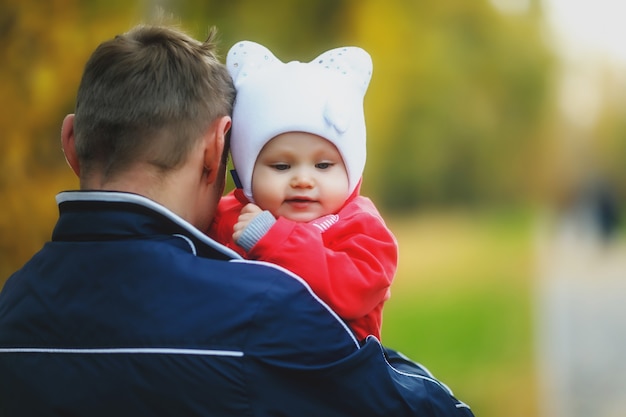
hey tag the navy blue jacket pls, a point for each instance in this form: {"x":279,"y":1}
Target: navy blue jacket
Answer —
{"x":130,"y":311}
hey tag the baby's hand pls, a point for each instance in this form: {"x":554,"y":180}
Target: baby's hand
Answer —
{"x":248,"y":212}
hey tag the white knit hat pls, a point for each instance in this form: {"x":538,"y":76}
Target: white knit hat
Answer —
{"x":323,"y":97}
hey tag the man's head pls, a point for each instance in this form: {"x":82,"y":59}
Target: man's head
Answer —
{"x":148,"y":95}
{"x":152,"y":115}
{"x":323,"y":97}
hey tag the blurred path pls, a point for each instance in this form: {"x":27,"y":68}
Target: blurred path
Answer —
{"x":581,"y":324}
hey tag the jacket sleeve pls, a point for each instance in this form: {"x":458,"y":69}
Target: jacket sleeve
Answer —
{"x":350,"y":266}
{"x":290,"y":326}
{"x":372,"y":381}
{"x":303,"y":362}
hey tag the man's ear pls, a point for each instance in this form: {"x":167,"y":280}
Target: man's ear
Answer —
{"x":215,"y":142}
{"x":68,"y":144}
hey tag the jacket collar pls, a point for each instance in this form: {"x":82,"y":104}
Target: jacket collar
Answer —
{"x":104,"y":215}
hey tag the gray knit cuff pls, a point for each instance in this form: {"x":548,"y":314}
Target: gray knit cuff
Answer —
{"x":255,"y":230}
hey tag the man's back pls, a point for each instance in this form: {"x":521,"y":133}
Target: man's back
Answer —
{"x":103,"y":308}
{"x":129,"y":311}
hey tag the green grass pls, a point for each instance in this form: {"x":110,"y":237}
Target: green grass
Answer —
{"x":461,"y":305}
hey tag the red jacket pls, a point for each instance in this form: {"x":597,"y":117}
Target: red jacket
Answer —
{"x":349,"y":259}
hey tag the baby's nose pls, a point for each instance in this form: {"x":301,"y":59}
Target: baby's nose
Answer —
{"x":302,"y":180}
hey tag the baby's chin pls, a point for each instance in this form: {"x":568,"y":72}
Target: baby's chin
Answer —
{"x":301,"y":217}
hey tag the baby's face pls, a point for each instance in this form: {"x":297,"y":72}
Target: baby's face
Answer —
{"x":300,"y":176}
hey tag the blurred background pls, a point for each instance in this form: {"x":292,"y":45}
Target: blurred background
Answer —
{"x":497,"y":150}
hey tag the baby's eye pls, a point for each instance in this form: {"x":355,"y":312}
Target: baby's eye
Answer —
{"x":324,"y":165}
{"x":280,"y":167}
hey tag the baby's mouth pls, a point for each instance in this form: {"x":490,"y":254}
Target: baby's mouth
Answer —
{"x":300,"y":202}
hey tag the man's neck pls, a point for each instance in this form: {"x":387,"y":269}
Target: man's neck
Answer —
{"x":172,"y":190}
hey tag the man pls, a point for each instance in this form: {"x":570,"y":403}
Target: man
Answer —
{"x":132,"y":310}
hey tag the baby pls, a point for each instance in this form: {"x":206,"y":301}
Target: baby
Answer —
{"x":298,"y":148}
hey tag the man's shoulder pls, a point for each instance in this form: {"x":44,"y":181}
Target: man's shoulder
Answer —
{"x":275,"y":288}
{"x":286,"y":306}
{"x":271,"y":280}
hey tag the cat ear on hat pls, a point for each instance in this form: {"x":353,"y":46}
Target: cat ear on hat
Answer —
{"x":351,"y":61}
{"x":245,"y":57}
